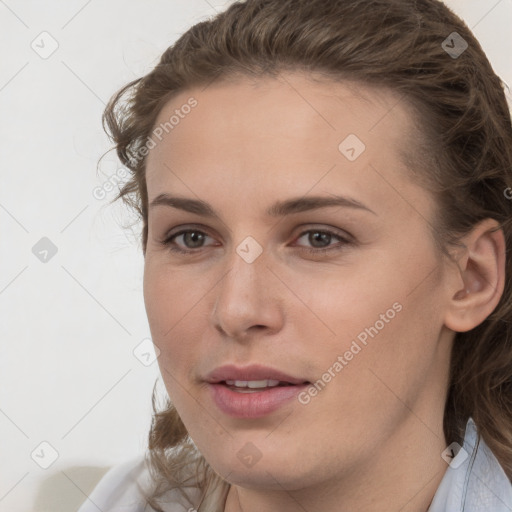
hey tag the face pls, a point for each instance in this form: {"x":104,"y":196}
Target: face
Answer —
{"x":293,"y":247}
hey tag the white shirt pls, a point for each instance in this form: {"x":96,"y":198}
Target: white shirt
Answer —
{"x":474,"y":482}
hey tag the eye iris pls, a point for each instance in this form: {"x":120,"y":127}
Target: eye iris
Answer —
{"x":318,"y":236}
{"x":193,"y":239}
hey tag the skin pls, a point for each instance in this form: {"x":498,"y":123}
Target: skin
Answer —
{"x":372,"y":439}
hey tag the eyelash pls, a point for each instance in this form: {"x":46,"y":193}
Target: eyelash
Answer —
{"x":168,"y":241}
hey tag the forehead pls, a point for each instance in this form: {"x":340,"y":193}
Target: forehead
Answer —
{"x":272,"y":132}
{"x":291,"y":106}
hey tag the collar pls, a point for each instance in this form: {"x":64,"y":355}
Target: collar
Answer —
{"x":474,"y":480}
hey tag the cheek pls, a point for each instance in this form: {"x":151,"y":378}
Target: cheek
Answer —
{"x":169,"y":300}
{"x":170,"y":295}
{"x":383,"y":310}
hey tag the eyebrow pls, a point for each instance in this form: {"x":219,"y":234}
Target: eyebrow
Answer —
{"x":278,"y":209}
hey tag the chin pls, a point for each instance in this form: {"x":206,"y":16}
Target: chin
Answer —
{"x":266,"y":478}
{"x":265,"y":474}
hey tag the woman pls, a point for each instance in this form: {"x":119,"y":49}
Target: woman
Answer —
{"x":322,"y":186}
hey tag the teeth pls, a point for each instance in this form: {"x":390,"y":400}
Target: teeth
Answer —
{"x":253,"y":384}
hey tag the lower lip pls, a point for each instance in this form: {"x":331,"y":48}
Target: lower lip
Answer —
{"x":253,"y":404}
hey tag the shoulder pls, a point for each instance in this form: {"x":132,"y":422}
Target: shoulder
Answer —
{"x":474,"y":479}
{"x":123,"y":489}
{"x":118,"y":490}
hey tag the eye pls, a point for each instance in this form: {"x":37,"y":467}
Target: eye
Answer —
{"x":186,"y":240}
{"x":320,"y":240}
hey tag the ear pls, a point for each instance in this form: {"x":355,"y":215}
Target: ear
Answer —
{"x":479,"y":277}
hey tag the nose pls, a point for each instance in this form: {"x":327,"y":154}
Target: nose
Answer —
{"x":247,"y":300}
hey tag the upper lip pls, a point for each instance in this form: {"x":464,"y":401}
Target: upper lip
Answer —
{"x":248,"y":373}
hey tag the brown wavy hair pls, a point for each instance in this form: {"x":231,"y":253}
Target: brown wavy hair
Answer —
{"x":463,"y":156}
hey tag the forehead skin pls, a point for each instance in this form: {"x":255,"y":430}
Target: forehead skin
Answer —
{"x":263,"y":135}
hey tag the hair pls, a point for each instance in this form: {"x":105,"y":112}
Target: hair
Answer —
{"x":463,"y":156}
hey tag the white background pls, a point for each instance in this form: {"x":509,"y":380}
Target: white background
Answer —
{"x":69,"y":326}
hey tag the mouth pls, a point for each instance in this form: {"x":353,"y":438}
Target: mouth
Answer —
{"x":252,"y":391}
{"x":253,"y":376}
{"x":255,"y":386}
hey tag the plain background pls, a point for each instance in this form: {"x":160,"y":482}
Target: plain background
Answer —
{"x":73,"y":317}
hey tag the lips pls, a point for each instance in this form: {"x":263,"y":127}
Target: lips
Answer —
{"x":252,"y":373}
{"x":252,"y":391}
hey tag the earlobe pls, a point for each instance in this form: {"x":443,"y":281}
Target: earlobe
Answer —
{"x":482,"y":271}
